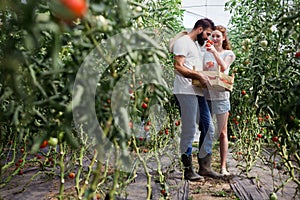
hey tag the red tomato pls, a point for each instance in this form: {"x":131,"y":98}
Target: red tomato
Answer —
{"x":78,"y":7}
{"x":210,"y":42}
{"x":44,"y":144}
{"x":275,"y":139}
{"x":166,"y":131}
{"x":244,"y":92}
{"x":210,"y":64}
{"x":163,"y":192}
{"x":259,"y":135}
{"x":144,"y":105}
{"x":71,"y":175}
{"x":297,"y":54}
{"x":68,"y":10}
{"x":177,"y":123}
{"x":146,"y":128}
{"x":145,"y":150}
{"x":208,"y":45}
{"x":233,"y":137}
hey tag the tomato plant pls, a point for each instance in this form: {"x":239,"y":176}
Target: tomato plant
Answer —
{"x":268,"y":69}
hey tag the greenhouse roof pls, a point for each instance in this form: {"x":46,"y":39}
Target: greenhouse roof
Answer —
{"x":213,"y":9}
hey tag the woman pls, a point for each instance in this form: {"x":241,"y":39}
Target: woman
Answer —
{"x":219,"y":57}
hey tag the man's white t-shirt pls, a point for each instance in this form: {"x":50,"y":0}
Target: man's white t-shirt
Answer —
{"x":185,"y":46}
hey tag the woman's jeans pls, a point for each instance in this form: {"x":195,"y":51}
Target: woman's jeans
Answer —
{"x":194,"y":110}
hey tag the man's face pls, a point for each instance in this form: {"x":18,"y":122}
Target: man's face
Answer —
{"x":203,"y":35}
{"x":206,"y":33}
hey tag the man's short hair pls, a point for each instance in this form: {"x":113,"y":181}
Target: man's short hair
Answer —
{"x":204,"y":23}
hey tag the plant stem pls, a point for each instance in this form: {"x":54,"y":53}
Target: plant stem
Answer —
{"x":62,"y":171}
{"x":149,"y":188}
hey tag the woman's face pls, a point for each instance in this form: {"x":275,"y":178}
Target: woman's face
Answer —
{"x":217,"y":37}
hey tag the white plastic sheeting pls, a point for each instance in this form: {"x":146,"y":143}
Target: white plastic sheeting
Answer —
{"x":213,"y":9}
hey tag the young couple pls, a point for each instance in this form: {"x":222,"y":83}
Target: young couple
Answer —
{"x":198,"y":105}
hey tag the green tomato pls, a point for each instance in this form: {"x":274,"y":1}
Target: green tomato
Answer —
{"x":247,"y":41}
{"x":246,"y":96}
{"x":138,"y":9}
{"x":264,"y":43}
{"x":273,"y":196}
{"x":52,"y":141}
{"x":61,"y":136}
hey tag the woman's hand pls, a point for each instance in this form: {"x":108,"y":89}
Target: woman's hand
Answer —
{"x":211,"y":49}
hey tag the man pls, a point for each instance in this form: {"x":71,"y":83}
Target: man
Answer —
{"x":192,"y":104}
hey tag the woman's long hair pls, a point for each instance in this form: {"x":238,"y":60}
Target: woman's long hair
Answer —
{"x":225,"y":43}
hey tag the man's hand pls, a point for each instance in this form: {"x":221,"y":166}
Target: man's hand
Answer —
{"x":189,"y":73}
{"x":204,"y":80}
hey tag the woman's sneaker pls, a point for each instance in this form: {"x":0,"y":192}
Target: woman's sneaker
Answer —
{"x":224,"y":172}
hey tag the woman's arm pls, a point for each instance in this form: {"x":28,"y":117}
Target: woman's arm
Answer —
{"x":223,"y":63}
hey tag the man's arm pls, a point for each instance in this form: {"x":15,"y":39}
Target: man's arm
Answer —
{"x":188,"y":73}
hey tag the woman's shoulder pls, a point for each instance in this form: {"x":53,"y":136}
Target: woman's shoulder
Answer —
{"x":228,"y":52}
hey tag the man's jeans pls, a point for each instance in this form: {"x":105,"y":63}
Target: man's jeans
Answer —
{"x":194,"y":110}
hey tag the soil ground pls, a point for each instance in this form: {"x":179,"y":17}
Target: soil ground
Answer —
{"x":214,"y":189}
{"x":37,"y":185}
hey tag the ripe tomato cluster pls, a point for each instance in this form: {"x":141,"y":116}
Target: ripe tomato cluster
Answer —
{"x":209,"y":43}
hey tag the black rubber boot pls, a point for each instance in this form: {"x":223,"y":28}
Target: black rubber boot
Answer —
{"x":205,"y":167}
{"x":189,"y":173}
